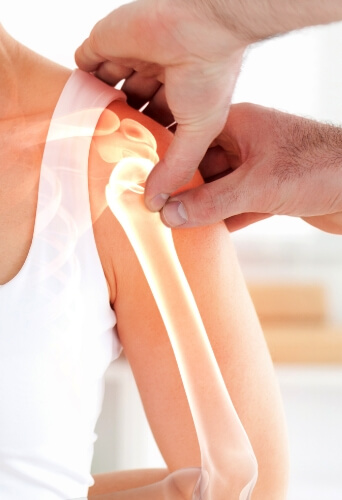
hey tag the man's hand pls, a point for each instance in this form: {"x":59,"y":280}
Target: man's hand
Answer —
{"x":183,"y":57}
{"x":197,"y":60}
{"x":266,"y":162}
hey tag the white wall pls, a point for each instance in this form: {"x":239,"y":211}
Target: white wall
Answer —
{"x":54,"y":29}
{"x":313,"y":406}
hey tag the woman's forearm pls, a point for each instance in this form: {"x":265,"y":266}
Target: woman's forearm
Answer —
{"x":112,"y":482}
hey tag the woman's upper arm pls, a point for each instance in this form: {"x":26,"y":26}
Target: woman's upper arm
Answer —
{"x":212,"y":270}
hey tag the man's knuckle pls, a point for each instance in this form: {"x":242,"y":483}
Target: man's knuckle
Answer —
{"x":208,"y":205}
{"x":94,"y":39}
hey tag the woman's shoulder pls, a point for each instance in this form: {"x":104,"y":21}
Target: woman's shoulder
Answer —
{"x":120,"y":131}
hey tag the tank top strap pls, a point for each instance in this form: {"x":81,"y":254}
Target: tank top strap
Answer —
{"x":81,"y":103}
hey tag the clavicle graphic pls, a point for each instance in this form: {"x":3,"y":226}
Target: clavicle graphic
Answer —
{"x":228,"y":464}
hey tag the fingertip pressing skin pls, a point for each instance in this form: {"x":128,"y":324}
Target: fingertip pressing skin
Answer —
{"x":157,"y":202}
{"x":175,"y":171}
{"x":174,"y":214}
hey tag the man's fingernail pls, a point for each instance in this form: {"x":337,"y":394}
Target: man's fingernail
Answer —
{"x":157,"y":202}
{"x":175,"y":214}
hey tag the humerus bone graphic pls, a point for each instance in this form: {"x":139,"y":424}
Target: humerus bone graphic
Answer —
{"x":228,"y":464}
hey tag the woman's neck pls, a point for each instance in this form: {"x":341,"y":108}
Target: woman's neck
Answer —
{"x":30,"y":86}
{"x":10,"y":63}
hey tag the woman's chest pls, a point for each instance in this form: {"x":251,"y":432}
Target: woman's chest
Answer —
{"x":47,"y":204}
{"x":19,"y":182}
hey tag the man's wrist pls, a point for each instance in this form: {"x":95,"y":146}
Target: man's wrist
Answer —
{"x":255,"y":20}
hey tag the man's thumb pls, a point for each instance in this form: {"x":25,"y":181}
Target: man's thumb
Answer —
{"x":207,"y":204}
{"x":178,"y":166}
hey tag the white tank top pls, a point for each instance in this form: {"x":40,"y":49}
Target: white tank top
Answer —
{"x":57,"y":329}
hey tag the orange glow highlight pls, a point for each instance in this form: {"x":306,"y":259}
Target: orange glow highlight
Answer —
{"x":228,"y":464}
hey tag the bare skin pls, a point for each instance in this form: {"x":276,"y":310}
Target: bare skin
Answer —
{"x":214,"y":277}
{"x":194,"y":48}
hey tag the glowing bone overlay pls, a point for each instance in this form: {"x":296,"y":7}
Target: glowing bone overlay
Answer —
{"x":228,"y":464}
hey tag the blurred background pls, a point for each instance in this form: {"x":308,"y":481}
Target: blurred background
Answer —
{"x":294,"y":271}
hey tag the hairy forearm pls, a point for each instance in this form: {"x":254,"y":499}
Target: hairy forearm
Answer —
{"x":113,"y":482}
{"x":253,"y":20}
